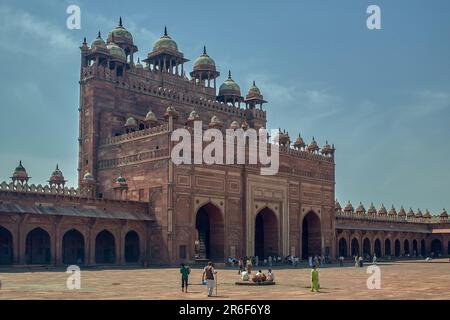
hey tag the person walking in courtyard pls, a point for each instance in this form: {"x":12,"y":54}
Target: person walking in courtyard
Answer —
{"x":356,"y":261}
{"x":249,"y":266}
{"x":270,"y":261}
{"x":314,"y":279}
{"x":341,"y":261}
{"x":184,"y":277}
{"x":209,"y":274}
{"x":241,"y":266}
{"x":374,"y":259}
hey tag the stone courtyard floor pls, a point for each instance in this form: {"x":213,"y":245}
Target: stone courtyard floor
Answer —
{"x":399,"y":280}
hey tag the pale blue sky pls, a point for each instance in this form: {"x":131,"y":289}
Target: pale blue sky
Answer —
{"x":382,"y":97}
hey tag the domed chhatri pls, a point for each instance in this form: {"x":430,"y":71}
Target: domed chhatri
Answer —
{"x":171,"y":112}
{"x":254,"y":97}
{"x":99,"y":44}
{"x":120,"y":182}
{"x":193,"y":116}
{"x":327,"y":150}
{"x":348,"y":208}
{"x":229,"y":91}
{"x":139,"y":65}
{"x":120,"y":35}
{"x":57,"y":178}
{"x":401,"y":212}
{"x":372,"y":211}
{"x":361,"y":210}
{"x":165,"y":42}
{"x":204,"y":62}
{"x":444,"y":214}
{"x":150,"y":119}
{"x":419,"y":214}
{"x":392,"y":211}
{"x":410,"y":213}
{"x":313,"y":147}
{"x":130,"y":123}
{"x":337,"y":206}
{"x":215,"y":123}
{"x":299,"y":144}
{"x":382,"y":211}
{"x":20,"y":174}
{"x":427,"y":214}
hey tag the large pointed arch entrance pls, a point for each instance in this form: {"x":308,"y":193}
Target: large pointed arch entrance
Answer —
{"x":311,"y":236}
{"x":73,"y":247}
{"x":266,"y":234}
{"x":210,"y":233}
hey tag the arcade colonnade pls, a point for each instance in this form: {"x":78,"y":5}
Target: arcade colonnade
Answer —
{"x":58,"y":244}
{"x":394,"y":244}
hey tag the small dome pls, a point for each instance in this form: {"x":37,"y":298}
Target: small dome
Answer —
{"x":337,"y":206}
{"x":88,"y":177}
{"x":419,"y":214}
{"x":254,"y":90}
{"x":120,"y":35}
{"x":170,"y":111}
{"x":401,"y":212}
{"x":98,"y":43}
{"x":244,"y":125}
{"x":150,"y":116}
{"x":361,"y":209}
{"x":131,"y":122}
{"x":299,"y":143}
{"x":427,"y":214}
{"x":410,"y":213}
{"x":204,"y":62}
{"x":121,"y":182}
{"x":382,"y":211}
{"x":234,"y":125}
{"x":326,"y":149}
{"x":165,"y":42}
{"x":229,"y":87}
{"x":372,"y":211}
{"x":116,"y":51}
{"x":348,"y":207}
{"x":139,"y":65}
{"x":215,"y":122}
{"x":20,"y":172}
{"x":193,"y":116}
{"x":392,"y":211}
{"x":444,"y":214}
{"x":313,"y":147}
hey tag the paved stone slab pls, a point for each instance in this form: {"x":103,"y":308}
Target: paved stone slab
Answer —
{"x":400,"y":280}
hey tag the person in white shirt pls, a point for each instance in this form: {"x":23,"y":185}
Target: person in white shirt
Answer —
{"x":270,"y":275}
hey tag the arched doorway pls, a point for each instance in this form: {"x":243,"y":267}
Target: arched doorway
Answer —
{"x":105,"y":247}
{"x":397,"y":248}
{"x":415,"y":249}
{"x":423,"y":249}
{"x":6,"y":246}
{"x":366,"y":248}
{"x":436,"y":247}
{"x":131,"y":247}
{"x":73,"y":247}
{"x":311,"y":236}
{"x":266,"y":234}
{"x":210,"y":233}
{"x":37,"y":249}
{"x":377,"y":248}
{"x":355,"y":247}
{"x":406,"y":247}
{"x":387,"y":247}
{"x":342,"y":247}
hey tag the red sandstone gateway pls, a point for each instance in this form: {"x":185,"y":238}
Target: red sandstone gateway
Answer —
{"x":133,"y":205}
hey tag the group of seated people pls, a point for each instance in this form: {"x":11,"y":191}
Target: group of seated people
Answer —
{"x":258,"y":277}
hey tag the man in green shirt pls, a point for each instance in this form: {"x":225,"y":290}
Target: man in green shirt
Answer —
{"x":314,"y":279}
{"x":184,"y":277}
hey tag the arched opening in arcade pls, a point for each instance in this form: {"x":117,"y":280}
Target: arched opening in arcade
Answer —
{"x":73,"y":247}
{"x":397,"y":248}
{"x":37,"y":249}
{"x":448,"y":248}
{"x":266,"y":234}
{"x":406,"y":247}
{"x":415,"y":248}
{"x":105,"y":247}
{"x":387,"y":247}
{"x":436,"y":247}
{"x":366,"y":248}
{"x":132,"y":247}
{"x":210,"y":233}
{"x":423,"y":248}
{"x":355,"y":247}
{"x":342,"y":247}
{"x":6,"y":246}
{"x":311,"y":236}
{"x":377,"y":248}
